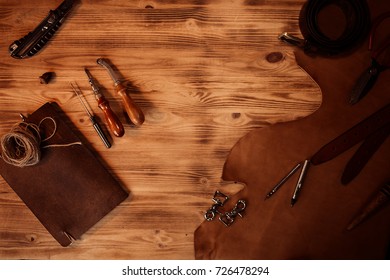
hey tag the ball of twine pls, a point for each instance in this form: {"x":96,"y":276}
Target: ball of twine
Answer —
{"x":21,"y":146}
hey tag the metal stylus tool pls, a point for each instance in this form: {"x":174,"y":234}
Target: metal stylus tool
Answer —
{"x":299,"y":184}
{"x":95,"y":124}
{"x":281,"y":182}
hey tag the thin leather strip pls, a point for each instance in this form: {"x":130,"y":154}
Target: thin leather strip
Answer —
{"x":352,"y":136}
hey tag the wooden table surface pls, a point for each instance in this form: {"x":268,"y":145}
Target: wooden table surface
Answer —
{"x":204,"y":72}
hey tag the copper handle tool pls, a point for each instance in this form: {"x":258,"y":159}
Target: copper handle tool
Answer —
{"x":132,"y":109}
{"x":112,"y":120}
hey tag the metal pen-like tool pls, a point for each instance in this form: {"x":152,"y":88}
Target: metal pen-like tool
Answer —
{"x":95,"y":124}
{"x":299,"y":184}
{"x":281,"y":182}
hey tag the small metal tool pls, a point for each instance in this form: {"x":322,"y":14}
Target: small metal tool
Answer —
{"x":368,"y":78}
{"x":281,"y":182}
{"x":299,"y":184}
{"x":112,"y":120}
{"x":95,"y":124}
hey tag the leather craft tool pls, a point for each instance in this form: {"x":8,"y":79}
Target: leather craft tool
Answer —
{"x":315,"y":41}
{"x":368,"y":78}
{"x":299,"y":184}
{"x":379,"y":200}
{"x":95,"y":124}
{"x":281,"y":182}
{"x":132,"y":109}
{"x":112,"y":120}
{"x":34,"y":41}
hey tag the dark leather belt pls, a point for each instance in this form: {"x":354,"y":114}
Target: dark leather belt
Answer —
{"x":373,"y":131}
{"x":357,"y":17}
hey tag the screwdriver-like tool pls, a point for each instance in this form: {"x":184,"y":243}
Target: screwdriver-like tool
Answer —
{"x":95,"y":124}
{"x":132,"y":109}
{"x":112,"y":120}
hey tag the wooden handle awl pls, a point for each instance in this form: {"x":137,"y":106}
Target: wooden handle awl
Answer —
{"x":134,"y":112}
{"x":112,"y":120}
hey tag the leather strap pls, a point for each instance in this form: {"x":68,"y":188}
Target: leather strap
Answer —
{"x":351,"y":137}
{"x":364,"y":153}
{"x":357,"y":25}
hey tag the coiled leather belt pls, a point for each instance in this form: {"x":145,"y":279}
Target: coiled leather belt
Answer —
{"x":357,"y":17}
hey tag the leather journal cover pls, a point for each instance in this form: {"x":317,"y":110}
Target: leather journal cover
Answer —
{"x":69,"y":190}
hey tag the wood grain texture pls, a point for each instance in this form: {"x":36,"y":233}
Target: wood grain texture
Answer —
{"x":204,"y":72}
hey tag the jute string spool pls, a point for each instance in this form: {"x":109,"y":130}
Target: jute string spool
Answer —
{"x":22,"y":145}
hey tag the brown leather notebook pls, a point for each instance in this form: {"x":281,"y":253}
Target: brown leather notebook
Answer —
{"x":69,"y":190}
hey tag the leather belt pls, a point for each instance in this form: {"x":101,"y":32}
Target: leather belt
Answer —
{"x":315,"y":41}
{"x":364,"y":153}
{"x":373,"y":130}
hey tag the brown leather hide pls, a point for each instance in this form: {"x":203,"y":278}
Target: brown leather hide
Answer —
{"x":315,"y":228}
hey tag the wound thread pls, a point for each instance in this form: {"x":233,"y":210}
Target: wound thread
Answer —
{"x":22,"y":145}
